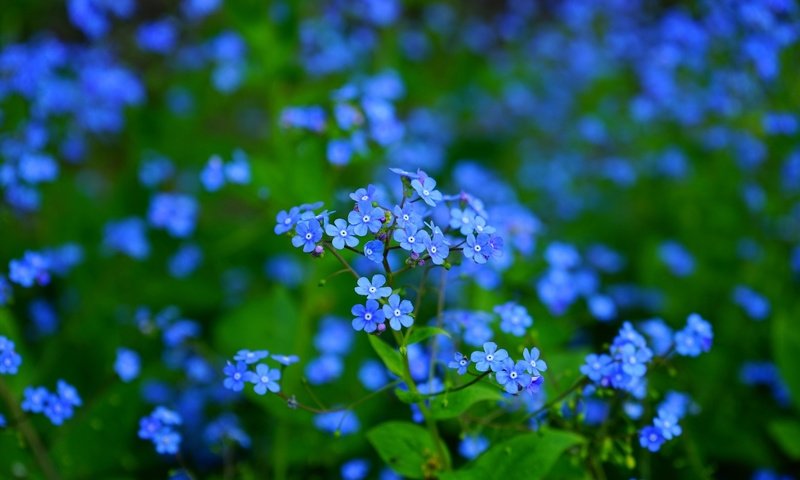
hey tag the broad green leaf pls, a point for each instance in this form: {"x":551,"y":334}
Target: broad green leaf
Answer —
{"x":529,"y":456}
{"x":786,"y":433}
{"x":407,"y":448}
{"x":449,"y":405}
{"x":419,"y":334}
{"x":391,"y":357}
{"x":786,"y":344}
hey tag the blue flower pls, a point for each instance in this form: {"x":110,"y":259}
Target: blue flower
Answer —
{"x":33,"y":399}
{"x":373,"y":290}
{"x":437,"y":246}
{"x":667,"y":424}
{"x":286,"y":220}
{"x":174,"y":212}
{"x":264,"y":378}
{"x":398,"y":311}
{"x":250,"y":357}
{"x":368,"y":194}
{"x":32,"y":268}
{"x":68,"y":394}
{"x":411,"y":239}
{"x":513,"y":376}
{"x":57,"y":409}
{"x":344,"y":422}
{"x":490,"y":357}
{"x":10,"y":360}
{"x":426,"y":189}
{"x":373,"y":250}
{"x":167,"y":442}
{"x":633,"y":360}
{"x":286,"y":360}
{"x":159,"y":36}
{"x":238,"y":169}
{"x":407,"y":216}
{"x":366,"y":218}
{"x":356,"y":469}
{"x":324,"y":369}
{"x":460,"y":363}
{"x":464,"y":220}
{"x":342,"y":234}
{"x":373,"y":375}
{"x":339,"y":152}
{"x":514,"y":318}
{"x":651,"y":438}
{"x":213,"y":174}
{"x":127,"y":236}
{"x":535,"y":365}
{"x":596,"y":366}
{"x":367,"y":316}
{"x":127,"y":364}
{"x":695,"y":338}
{"x":185,"y":261}
{"x":307,"y":234}
{"x":235,"y":376}
{"x":477,"y":248}
{"x":472,"y":446}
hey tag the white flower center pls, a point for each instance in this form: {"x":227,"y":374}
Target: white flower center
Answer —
{"x":426,"y":193}
{"x":287,"y":221}
{"x":406,"y":217}
{"x":489,"y":357}
{"x":368,"y":316}
{"x":264,"y":379}
{"x":308,"y":236}
{"x":433,"y":249}
{"x":342,"y":233}
{"x":463,"y":362}
{"x":411,"y":239}
{"x":365,"y":218}
{"x":372,"y":289}
{"x":465,"y":220}
{"x":237,"y":376}
{"x":513,"y":375}
{"x":397,"y":312}
{"x":477,"y":248}
{"x":369,"y":251}
{"x":364,"y":197}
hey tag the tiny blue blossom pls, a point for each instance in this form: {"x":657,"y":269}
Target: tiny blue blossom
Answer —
{"x":460,"y":363}
{"x":367,"y":317}
{"x":398,"y":312}
{"x":264,"y":378}
{"x":250,"y":357}
{"x":235,"y":376}
{"x":426,"y":189}
{"x":373,"y":290}
{"x":373,"y":250}
{"x":490,"y":357}
{"x":534,"y":364}
{"x":127,"y":364}
{"x":342,"y":234}
{"x":307,"y":234}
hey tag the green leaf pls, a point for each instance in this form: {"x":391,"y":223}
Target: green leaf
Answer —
{"x":449,"y":405}
{"x":407,"y":448}
{"x":786,"y":344}
{"x":419,"y":334}
{"x":529,"y":456}
{"x":786,"y":433}
{"x":391,"y":357}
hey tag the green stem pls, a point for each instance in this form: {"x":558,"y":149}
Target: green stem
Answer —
{"x":341,"y":259}
{"x":31,"y":437}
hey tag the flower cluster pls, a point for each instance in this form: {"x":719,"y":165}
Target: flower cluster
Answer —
{"x":159,"y":428}
{"x":57,"y":406}
{"x":216,"y":173}
{"x":403,"y":225}
{"x":10,"y":360}
{"x":665,"y":426}
{"x":514,"y":377}
{"x":262,"y":377}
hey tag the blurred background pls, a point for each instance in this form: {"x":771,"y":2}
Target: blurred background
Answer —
{"x":146,"y":148}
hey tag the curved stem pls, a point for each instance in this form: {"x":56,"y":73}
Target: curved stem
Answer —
{"x":460,"y":387}
{"x":341,"y":259}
